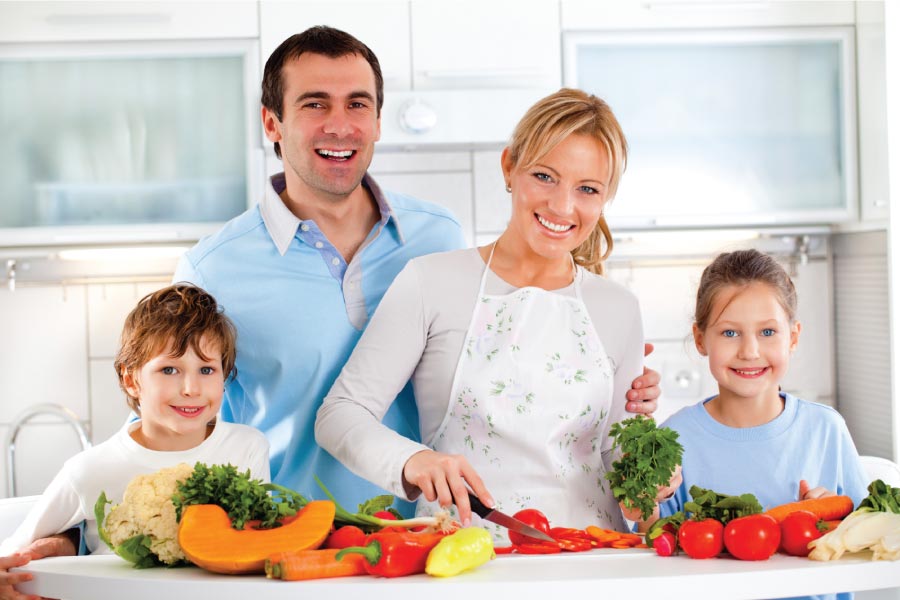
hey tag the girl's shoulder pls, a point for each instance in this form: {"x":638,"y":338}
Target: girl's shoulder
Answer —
{"x":238,"y":433}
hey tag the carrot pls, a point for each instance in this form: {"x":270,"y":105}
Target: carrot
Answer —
{"x":827,"y":508}
{"x":313,"y":564}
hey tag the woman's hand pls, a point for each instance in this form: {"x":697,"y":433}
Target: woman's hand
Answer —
{"x":444,"y":477}
{"x":806,"y":493}
{"x":644,"y":390}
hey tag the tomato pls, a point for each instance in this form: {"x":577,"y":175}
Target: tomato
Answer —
{"x":385,"y":514}
{"x":701,"y":539}
{"x":797,"y":530}
{"x":533,"y":517}
{"x":344,"y":537}
{"x":754,"y":537}
{"x":504,"y":549}
{"x":538,"y":547}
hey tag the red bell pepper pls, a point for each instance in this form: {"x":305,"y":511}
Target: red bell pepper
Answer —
{"x":394,"y":553}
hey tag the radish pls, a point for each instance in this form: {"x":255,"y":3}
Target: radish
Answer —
{"x":664,"y":544}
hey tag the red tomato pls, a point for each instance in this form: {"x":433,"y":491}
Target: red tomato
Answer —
{"x":797,"y":530}
{"x":386,"y":515}
{"x":344,"y":537}
{"x":754,"y":537}
{"x":533,"y":517}
{"x":701,"y":539}
{"x":538,"y":547}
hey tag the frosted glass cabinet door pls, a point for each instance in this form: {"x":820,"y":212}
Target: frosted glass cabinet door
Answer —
{"x":731,"y":127}
{"x":106,"y":137}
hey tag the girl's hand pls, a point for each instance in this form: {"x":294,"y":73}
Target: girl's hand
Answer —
{"x":8,"y":580}
{"x":663,"y":494}
{"x":641,"y":398}
{"x":806,"y":493}
{"x":444,"y":477}
{"x":55,"y":545}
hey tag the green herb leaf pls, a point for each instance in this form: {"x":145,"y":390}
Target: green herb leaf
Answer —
{"x":373,"y":505}
{"x":100,"y":517}
{"x":649,"y":456}
{"x":882,"y":497}
{"x":243,"y":498}
{"x":136,"y":550}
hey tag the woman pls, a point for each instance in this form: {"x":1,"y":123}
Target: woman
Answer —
{"x":519,"y":352}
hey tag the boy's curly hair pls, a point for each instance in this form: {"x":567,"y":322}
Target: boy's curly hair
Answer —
{"x":181,"y":315}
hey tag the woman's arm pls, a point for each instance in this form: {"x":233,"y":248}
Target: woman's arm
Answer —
{"x":348,"y":425}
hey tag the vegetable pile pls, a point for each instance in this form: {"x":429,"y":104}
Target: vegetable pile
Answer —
{"x":649,"y":456}
{"x":143,"y":529}
{"x":717,"y":522}
{"x":875,"y":526}
{"x":568,"y":539}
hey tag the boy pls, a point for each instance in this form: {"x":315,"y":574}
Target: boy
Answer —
{"x":177,"y":350}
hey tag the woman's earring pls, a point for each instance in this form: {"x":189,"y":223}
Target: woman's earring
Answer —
{"x":508,"y":189}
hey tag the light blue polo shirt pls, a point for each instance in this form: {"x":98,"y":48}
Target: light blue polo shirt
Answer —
{"x":299,"y":309}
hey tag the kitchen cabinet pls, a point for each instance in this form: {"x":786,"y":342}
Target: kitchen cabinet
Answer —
{"x":382,"y":25}
{"x":107,"y":20}
{"x":675,"y":14}
{"x":618,"y":573}
{"x":872,"y":98}
{"x":497,"y":44}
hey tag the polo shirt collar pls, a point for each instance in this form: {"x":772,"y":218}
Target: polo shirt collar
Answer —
{"x":282,"y":224}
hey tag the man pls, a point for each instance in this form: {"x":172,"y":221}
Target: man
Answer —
{"x":301,"y":273}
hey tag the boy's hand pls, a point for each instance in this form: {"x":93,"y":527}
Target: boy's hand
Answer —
{"x":55,"y":545}
{"x":644,"y":390}
{"x":8,"y":580}
{"x":806,"y":493}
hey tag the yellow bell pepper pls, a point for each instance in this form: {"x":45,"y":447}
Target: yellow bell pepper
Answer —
{"x":460,"y":551}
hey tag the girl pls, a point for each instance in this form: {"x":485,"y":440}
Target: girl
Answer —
{"x":752,"y":437}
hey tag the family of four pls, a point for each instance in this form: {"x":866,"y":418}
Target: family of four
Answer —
{"x":364,"y":344}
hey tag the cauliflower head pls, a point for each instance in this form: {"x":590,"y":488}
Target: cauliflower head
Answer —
{"x":146,"y":519}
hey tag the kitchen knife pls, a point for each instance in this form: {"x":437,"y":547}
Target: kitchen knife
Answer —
{"x":504,"y":520}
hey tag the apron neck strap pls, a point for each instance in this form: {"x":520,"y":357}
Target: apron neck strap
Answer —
{"x":576,"y":273}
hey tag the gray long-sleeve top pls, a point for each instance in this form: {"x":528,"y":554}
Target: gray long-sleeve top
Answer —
{"x":417,"y":333}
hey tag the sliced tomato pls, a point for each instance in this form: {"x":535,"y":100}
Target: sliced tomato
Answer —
{"x":574,"y":544}
{"x":538,"y":548}
{"x":504,"y":549}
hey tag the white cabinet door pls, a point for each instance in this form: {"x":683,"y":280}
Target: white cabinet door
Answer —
{"x":478,"y":44}
{"x":382,"y":25}
{"x":99,"y":21}
{"x":873,"y":147}
{"x":674,"y":14}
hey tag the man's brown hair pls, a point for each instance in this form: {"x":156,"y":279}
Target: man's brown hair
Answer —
{"x":320,"y":39}
{"x":181,"y":315}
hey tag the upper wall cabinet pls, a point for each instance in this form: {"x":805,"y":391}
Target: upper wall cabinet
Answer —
{"x":106,"y":21}
{"x":676,"y":14}
{"x":383,"y":25}
{"x":478,"y":44}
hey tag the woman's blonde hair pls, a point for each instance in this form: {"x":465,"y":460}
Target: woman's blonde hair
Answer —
{"x":549,"y":122}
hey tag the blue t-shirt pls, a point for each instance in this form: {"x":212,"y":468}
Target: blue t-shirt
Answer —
{"x":299,"y":309}
{"x":806,"y":441}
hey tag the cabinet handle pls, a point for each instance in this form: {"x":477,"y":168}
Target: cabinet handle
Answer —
{"x":80,"y":20}
{"x":479,"y":73}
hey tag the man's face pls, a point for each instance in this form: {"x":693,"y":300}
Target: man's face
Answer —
{"x":330,"y":123}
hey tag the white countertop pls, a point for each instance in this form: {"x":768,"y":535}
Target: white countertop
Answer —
{"x":609,"y":573}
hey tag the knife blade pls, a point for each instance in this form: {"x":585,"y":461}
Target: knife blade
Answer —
{"x":504,"y":520}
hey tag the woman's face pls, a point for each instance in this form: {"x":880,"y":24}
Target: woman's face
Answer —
{"x":557,"y":202}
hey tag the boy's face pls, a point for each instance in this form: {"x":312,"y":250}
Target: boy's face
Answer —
{"x":178,"y":396}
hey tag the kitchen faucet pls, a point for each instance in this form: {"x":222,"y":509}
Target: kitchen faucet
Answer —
{"x":39,"y":409}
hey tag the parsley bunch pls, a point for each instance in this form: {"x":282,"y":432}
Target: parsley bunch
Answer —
{"x":243,"y":498}
{"x":649,"y":456}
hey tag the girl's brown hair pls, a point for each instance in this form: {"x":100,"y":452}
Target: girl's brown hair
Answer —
{"x":549,"y":122}
{"x":181,"y":315}
{"x":741,"y":268}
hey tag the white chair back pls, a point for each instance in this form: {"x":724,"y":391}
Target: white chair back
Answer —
{"x":12,"y":513}
{"x":881,"y":468}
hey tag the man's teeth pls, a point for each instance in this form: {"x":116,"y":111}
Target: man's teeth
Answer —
{"x":554,"y":226}
{"x":336,"y":153}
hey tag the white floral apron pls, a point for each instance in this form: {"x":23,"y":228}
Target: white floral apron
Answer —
{"x":528,"y":404}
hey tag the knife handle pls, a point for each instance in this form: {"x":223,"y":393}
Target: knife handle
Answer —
{"x":477,"y":506}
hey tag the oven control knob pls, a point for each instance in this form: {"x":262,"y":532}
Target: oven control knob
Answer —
{"x":417,"y":117}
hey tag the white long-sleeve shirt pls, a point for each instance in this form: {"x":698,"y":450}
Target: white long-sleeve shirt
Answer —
{"x":109,"y":467}
{"x":417,"y":333}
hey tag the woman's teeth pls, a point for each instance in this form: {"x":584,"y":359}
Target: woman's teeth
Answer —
{"x":553,"y":226}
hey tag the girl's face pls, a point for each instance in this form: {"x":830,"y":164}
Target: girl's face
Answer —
{"x":178,"y":396}
{"x":557,"y":202}
{"x":748,"y":342}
